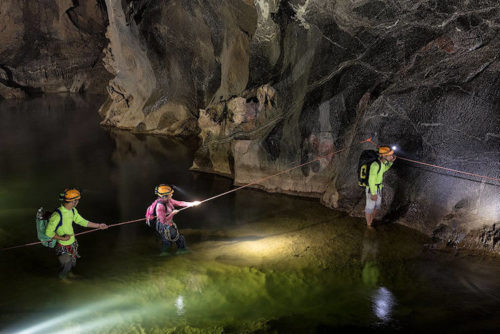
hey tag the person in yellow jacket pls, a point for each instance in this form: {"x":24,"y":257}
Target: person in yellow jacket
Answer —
{"x":60,"y":228}
{"x":375,"y":182}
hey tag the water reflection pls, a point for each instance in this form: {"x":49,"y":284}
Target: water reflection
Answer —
{"x":383,"y":303}
{"x":179,"y":304}
{"x":382,"y":299}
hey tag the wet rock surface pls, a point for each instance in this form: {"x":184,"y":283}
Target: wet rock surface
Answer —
{"x":271,"y":84}
{"x":51,"y":46}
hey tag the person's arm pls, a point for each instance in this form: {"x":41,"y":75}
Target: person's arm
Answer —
{"x":372,"y":179}
{"x":79,"y":219}
{"x":65,"y":237}
{"x":184,"y":204}
{"x":96,"y":225}
{"x":85,"y":223}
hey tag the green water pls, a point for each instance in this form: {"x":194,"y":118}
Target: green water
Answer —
{"x":259,"y":263}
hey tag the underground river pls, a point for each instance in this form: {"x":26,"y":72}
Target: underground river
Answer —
{"x":259,"y":262}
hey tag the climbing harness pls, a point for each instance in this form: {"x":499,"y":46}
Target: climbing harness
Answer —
{"x":167,"y":231}
{"x":71,"y":250}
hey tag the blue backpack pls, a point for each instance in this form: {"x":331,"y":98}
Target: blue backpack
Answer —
{"x":42,"y":220}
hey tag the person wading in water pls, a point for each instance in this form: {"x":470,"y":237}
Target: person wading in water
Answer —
{"x":60,"y":228}
{"x":375,"y":180}
{"x":160,"y":214}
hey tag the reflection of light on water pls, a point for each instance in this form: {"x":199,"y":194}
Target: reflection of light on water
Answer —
{"x":266,"y":247}
{"x":179,"y":303}
{"x":383,"y":302}
{"x":47,"y":326}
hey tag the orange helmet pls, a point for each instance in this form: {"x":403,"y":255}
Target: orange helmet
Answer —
{"x":164,"y":190}
{"x":70,"y":195}
{"x":385,"y":151}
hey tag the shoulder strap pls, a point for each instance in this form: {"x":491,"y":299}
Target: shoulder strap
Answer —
{"x":60,"y":219}
{"x":156,"y":205}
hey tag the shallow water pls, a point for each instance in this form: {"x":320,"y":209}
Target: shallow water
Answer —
{"x":259,"y":262}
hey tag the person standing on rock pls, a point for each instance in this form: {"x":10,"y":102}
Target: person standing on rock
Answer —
{"x":375,"y":182}
{"x":160,"y":214}
{"x":60,"y":228}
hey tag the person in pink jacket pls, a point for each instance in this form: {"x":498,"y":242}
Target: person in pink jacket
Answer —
{"x":160,"y":214}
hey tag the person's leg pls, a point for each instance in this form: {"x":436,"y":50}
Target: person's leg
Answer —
{"x":181,"y":242}
{"x":378,"y":204}
{"x":369,"y":208}
{"x":66,"y":264}
{"x":165,"y":242}
{"x":165,"y":245}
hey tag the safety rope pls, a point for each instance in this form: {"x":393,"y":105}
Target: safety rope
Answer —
{"x":276,"y":174}
{"x":279,"y":173}
{"x":76,"y":234}
{"x":444,"y":168}
{"x":214,"y":197}
{"x":450,"y":169}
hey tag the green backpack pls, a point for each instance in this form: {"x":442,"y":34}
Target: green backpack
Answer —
{"x":42,"y":220}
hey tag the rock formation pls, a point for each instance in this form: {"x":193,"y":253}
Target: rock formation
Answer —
{"x":171,"y":59}
{"x":51,"y":46}
{"x":271,"y":84}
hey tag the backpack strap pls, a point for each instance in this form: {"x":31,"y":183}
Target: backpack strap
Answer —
{"x":60,"y":219}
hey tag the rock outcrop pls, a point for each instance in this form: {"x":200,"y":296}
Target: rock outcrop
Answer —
{"x":171,"y":59}
{"x":51,"y":46}
{"x":270,"y":84}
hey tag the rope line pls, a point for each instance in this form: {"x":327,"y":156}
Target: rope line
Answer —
{"x":279,"y":173}
{"x":450,"y":169}
{"x":276,"y":174}
{"x":211,"y":198}
{"x":444,"y":168}
{"x":84,"y":232}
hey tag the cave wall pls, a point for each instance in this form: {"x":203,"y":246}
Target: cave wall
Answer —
{"x":270,"y":84}
{"x":52,"y":46}
{"x":171,"y":58}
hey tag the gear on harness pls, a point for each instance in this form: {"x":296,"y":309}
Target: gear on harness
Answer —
{"x":167,"y":232}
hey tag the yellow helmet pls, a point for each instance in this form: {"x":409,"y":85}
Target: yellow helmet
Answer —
{"x":164,"y":190}
{"x":385,"y":151}
{"x":70,"y":195}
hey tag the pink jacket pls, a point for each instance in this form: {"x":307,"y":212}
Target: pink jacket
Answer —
{"x":164,"y":211}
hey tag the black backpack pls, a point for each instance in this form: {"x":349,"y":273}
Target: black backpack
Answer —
{"x":366,"y":159}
